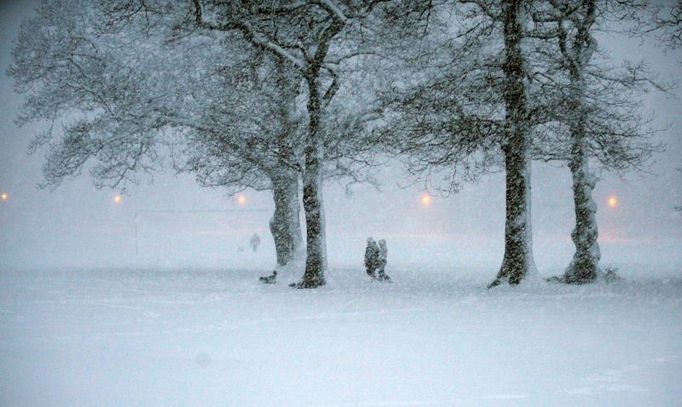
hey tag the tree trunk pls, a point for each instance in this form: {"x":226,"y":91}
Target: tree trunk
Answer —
{"x":284,"y":225}
{"x":316,"y":257}
{"x":584,"y":267}
{"x":585,"y":264}
{"x":518,"y":248}
{"x":313,"y":204}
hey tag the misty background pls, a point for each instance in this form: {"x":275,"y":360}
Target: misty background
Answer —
{"x":180,"y":224}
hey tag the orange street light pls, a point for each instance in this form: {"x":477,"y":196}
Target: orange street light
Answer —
{"x":4,"y":197}
{"x":612,"y":201}
{"x":425,"y":199}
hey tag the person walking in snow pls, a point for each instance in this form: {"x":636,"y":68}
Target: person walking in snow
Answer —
{"x":382,"y":259}
{"x":254,"y":242}
{"x":371,"y":257}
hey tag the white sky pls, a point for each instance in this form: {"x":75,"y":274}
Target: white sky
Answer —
{"x":77,"y":225}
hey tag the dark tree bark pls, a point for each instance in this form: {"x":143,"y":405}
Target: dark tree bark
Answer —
{"x":313,"y":203}
{"x":518,"y":250}
{"x":316,"y":262}
{"x":584,"y":267}
{"x":285,"y":224}
{"x":599,"y":110}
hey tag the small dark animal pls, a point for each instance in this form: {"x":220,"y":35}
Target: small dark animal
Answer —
{"x":269,"y":279}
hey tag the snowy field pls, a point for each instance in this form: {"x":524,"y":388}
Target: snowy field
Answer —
{"x":219,"y":338}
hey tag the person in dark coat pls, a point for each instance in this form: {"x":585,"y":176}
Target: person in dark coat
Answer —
{"x":254,"y":242}
{"x":382,"y":259}
{"x":371,"y":257}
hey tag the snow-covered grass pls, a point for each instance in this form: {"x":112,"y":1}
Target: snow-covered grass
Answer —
{"x":219,"y":338}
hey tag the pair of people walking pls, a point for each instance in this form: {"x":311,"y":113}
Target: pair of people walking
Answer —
{"x":376,"y":257}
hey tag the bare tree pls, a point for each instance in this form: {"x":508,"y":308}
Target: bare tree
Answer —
{"x":311,"y":36}
{"x":249,"y":139}
{"x":119,"y":87}
{"x":469,"y":106}
{"x":128,"y":78}
{"x":664,"y":21}
{"x":595,"y":113}
{"x":524,"y":80}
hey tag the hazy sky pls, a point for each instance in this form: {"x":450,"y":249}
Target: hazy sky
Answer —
{"x":77,"y":225}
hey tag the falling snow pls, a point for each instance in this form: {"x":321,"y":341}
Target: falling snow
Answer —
{"x":226,"y":154}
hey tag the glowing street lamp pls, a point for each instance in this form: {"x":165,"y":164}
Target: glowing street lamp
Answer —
{"x":241,"y":200}
{"x":425,"y":199}
{"x":4,"y":197}
{"x":118,"y":199}
{"x":612,"y":201}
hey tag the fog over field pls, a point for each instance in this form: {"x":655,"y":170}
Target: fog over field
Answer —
{"x":148,"y":293}
{"x":77,"y":225}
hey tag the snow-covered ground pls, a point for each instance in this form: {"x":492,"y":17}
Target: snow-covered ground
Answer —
{"x":219,"y":338}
